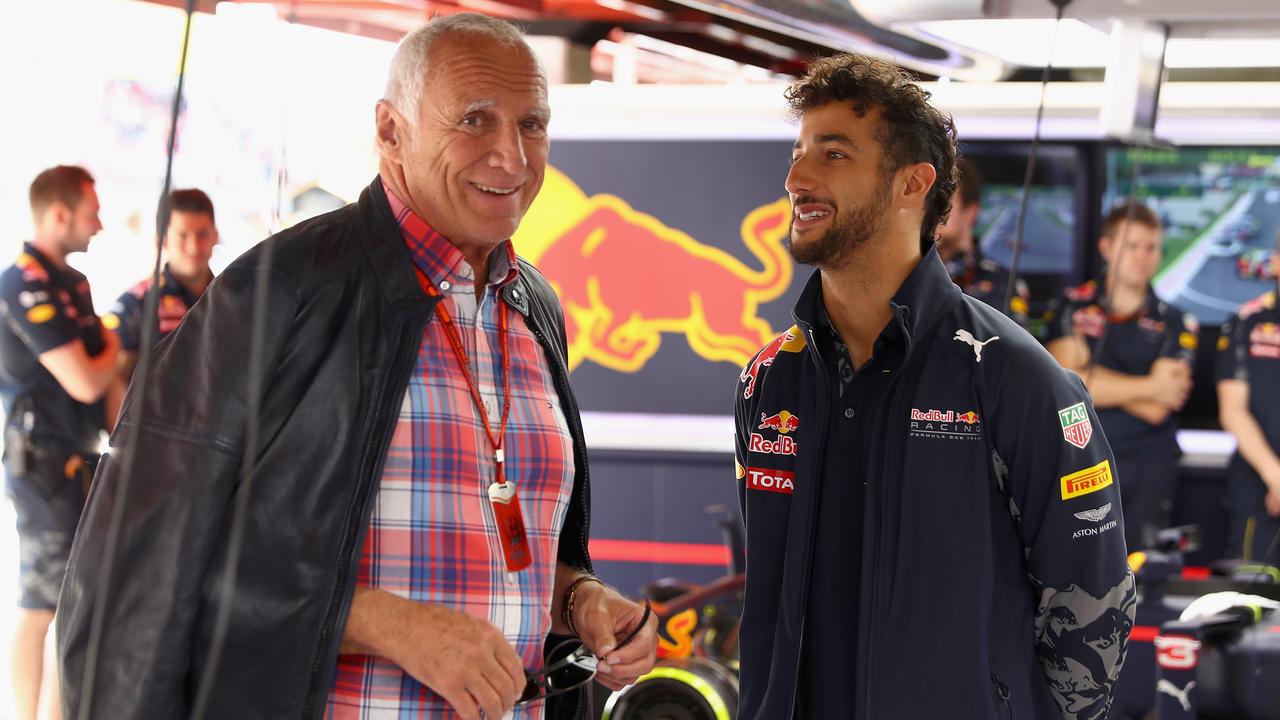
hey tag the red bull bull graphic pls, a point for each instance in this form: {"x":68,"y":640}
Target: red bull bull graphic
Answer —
{"x":626,"y":279}
{"x":791,"y":341}
{"x":784,"y":422}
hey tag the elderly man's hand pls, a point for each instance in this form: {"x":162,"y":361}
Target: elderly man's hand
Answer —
{"x":465,"y":660}
{"x":603,"y":617}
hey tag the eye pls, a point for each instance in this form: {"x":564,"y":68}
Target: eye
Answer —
{"x":835,"y":155}
{"x":534,"y":125}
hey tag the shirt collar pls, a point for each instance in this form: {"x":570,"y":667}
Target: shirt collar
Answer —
{"x":922,"y":299}
{"x":440,"y":259}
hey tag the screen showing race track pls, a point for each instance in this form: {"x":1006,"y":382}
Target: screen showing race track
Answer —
{"x":1220,"y":207}
{"x":1049,"y":230}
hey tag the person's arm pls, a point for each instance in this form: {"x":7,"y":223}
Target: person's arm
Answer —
{"x":1067,"y":503}
{"x":85,"y":377}
{"x":1233,"y":411}
{"x":467,"y":661}
{"x":189,"y":454}
{"x":1151,"y":397}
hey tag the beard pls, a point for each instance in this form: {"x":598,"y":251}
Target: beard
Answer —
{"x":846,"y":234}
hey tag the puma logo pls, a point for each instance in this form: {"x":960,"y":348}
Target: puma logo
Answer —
{"x":1168,"y":688}
{"x":967,"y":338}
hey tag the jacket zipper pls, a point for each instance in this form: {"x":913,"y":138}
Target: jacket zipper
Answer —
{"x":875,"y":542}
{"x":820,"y":443}
{"x":338,"y":605}
{"x":1002,"y":694}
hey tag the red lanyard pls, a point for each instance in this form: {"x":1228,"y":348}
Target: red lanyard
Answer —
{"x":460,"y":352}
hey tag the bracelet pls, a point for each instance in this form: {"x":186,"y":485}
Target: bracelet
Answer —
{"x":570,"y":595}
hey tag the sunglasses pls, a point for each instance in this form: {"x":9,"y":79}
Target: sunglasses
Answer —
{"x":570,"y":665}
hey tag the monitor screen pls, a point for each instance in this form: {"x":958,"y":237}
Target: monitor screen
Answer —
{"x":1050,"y":238}
{"x":1220,"y":207}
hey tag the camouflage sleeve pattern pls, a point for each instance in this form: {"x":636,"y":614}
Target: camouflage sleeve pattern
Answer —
{"x":1058,"y":472}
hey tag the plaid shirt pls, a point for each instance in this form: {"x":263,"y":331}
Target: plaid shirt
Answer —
{"x":432,"y":537}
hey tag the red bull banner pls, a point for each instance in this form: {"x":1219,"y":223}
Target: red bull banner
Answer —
{"x":671,"y":263}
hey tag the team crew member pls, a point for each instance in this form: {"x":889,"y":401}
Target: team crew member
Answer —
{"x":961,"y":252}
{"x":56,"y":365}
{"x":415,"y":397}
{"x":1140,"y":375}
{"x":188,"y":245}
{"x":926,"y":499}
{"x":1248,"y":373}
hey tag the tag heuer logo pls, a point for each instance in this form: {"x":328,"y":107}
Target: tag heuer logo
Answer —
{"x":1076,"y":428}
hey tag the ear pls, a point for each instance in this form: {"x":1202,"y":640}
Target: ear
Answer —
{"x":1104,"y":248}
{"x":919,"y":180}
{"x":388,"y":124}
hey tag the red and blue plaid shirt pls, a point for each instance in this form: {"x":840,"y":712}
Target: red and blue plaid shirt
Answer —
{"x":432,"y":537}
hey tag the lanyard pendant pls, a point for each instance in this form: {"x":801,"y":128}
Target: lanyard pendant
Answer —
{"x":511,"y":533}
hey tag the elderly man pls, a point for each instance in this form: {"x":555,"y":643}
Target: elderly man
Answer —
{"x":943,"y":516}
{"x":419,"y":507}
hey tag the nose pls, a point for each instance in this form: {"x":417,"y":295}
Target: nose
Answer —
{"x":508,"y":151}
{"x":798,"y":181}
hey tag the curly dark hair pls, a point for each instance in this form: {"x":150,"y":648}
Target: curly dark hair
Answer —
{"x":913,"y":131}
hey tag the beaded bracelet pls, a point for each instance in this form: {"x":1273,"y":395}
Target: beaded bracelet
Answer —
{"x":570,"y":595}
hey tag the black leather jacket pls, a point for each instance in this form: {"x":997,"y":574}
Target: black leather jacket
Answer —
{"x":344,"y":317}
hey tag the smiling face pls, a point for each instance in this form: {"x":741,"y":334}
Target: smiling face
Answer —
{"x":188,"y":243}
{"x":840,"y":192}
{"x":473,"y":159}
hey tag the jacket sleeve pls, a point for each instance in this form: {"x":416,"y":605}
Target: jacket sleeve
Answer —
{"x":186,"y":442}
{"x":1058,"y":471}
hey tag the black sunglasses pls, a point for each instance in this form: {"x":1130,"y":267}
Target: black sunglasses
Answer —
{"x":570,"y":665}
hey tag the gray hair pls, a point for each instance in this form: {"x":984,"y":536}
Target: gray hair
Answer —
{"x":409,"y":64}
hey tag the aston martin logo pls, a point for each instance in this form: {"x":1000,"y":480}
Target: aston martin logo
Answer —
{"x":1096,"y":514}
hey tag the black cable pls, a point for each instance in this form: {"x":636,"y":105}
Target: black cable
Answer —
{"x":1108,"y":281}
{"x":150,"y":325}
{"x":240,"y":514}
{"x":1023,"y":201}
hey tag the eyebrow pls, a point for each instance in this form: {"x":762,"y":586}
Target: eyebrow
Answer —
{"x":838,"y":138}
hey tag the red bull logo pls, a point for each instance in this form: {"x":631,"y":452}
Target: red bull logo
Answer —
{"x":784,"y":422}
{"x":626,"y":279}
{"x":783,"y":445}
{"x":791,"y":341}
{"x":968,"y":418}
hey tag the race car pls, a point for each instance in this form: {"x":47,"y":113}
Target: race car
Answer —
{"x":1256,"y":264}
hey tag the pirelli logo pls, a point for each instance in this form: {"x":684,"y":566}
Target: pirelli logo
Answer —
{"x":1083,"y":482}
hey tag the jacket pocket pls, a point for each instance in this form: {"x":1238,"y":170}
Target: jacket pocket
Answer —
{"x":1004,"y":710}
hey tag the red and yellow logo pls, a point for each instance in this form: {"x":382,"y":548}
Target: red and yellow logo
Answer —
{"x":679,"y":628}
{"x":1083,"y":482}
{"x":626,"y":278}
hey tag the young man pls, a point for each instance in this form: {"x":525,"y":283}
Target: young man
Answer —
{"x":1248,"y":372}
{"x":942,"y":515}
{"x":978,"y":277}
{"x":414,"y":395}
{"x":1134,"y":352}
{"x":56,"y":365}
{"x":188,"y":244}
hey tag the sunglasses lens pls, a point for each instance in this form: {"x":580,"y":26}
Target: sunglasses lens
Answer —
{"x":569,"y":666}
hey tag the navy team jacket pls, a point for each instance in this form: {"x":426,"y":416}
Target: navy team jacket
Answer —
{"x":994,"y":574}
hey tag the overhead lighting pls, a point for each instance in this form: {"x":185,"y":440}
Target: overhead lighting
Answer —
{"x":1025,"y":42}
{"x":1221,"y":52}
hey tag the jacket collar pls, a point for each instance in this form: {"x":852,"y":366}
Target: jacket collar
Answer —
{"x":921,"y":301}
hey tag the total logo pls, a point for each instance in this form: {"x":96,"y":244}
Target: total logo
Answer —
{"x":779,"y":481}
{"x":783,"y":445}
